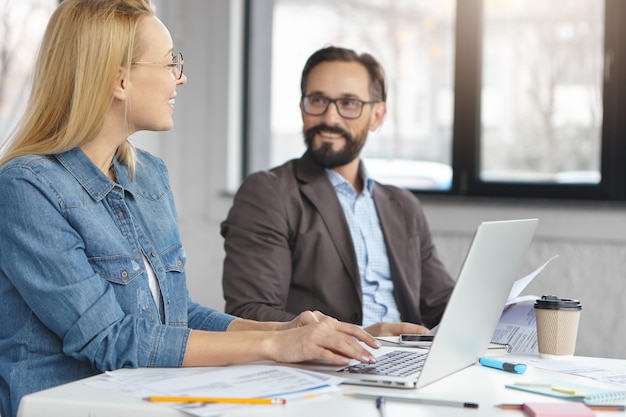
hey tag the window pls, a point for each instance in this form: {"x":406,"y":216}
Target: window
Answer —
{"x":541,"y":96}
{"x":514,"y":98}
{"x":22,"y":23}
{"x":414,"y":41}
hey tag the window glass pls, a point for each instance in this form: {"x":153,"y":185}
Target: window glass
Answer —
{"x":541,"y":111}
{"x":414,"y":41}
{"x":22,"y":24}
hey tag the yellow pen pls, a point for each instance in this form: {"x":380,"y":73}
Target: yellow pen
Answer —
{"x":216,"y":400}
{"x":570,"y":391}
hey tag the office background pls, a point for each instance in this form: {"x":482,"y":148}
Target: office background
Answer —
{"x":204,"y":156}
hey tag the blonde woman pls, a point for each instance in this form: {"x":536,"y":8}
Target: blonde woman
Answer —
{"x":92,"y":269}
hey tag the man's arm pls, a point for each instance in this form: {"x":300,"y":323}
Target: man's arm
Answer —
{"x":257,"y":267}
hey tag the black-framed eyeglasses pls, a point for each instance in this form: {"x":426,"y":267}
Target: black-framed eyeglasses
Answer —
{"x":348,"y":108}
{"x":176,"y":66}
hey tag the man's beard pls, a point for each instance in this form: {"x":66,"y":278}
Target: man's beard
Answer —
{"x":324,"y":155}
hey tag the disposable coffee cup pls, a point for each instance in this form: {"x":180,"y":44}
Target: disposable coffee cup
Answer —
{"x":557,"y":326}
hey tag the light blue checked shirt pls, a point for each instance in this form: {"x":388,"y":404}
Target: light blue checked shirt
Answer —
{"x":369,"y":246}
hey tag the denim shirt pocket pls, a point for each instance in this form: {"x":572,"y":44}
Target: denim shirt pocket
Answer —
{"x":129,"y":281}
{"x":174,"y":259}
{"x":175,"y":291}
{"x":121,"y":269}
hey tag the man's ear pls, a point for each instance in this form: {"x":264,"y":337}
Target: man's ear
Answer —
{"x":378,"y":115}
{"x":119,"y":85}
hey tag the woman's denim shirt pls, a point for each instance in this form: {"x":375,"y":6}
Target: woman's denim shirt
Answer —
{"x":74,"y":293}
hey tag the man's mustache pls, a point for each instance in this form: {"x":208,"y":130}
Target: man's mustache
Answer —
{"x":318,"y":129}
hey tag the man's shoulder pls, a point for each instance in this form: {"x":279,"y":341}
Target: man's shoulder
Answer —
{"x":289,"y":174}
{"x":287,"y":169}
{"x":277,"y":174}
{"x":269,"y":183}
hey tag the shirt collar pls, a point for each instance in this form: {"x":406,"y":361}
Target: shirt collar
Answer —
{"x":338,"y":181}
{"x":92,"y":179}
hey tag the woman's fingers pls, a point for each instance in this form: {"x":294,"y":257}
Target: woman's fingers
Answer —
{"x":327,"y":340}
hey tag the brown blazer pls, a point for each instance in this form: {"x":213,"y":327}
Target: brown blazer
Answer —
{"x":289,"y":249}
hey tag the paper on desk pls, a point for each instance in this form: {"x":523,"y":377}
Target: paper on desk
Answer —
{"x":247,"y":381}
{"x":517,"y":329}
{"x":520,"y":284}
{"x":517,"y":326}
{"x":612,"y":371}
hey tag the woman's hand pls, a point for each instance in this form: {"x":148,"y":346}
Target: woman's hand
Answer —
{"x":310,"y":336}
{"x":303,"y":319}
{"x":313,"y":335}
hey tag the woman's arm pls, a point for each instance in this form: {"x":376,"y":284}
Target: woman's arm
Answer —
{"x":309,"y":336}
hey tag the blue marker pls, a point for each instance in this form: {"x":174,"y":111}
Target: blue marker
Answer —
{"x":516,"y":368}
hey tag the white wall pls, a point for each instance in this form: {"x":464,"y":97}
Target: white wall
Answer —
{"x":591,"y":244}
{"x":590,"y":238}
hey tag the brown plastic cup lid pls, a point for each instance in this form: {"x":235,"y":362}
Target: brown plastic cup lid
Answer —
{"x":552,"y":302}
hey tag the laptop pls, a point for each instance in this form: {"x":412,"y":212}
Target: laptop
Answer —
{"x":470,"y":318}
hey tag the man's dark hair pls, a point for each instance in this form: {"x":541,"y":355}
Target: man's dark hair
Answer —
{"x":378,"y":87}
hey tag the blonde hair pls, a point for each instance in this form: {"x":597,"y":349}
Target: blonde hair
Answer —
{"x":85,"y":44}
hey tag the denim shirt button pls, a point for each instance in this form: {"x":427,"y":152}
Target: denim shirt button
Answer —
{"x":124,"y":273}
{"x":153,"y":254}
{"x":179,"y":262}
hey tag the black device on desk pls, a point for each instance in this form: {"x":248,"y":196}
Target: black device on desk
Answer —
{"x":416,"y":339}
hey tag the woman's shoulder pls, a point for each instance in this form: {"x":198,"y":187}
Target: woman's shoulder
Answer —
{"x":26,"y":165}
{"x":29,"y":177}
{"x":26,"y":161}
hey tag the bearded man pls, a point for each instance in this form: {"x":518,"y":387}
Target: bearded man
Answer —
{"x":317,"y":233}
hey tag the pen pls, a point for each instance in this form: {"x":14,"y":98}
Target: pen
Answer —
{"x":426,"y":401}
{"x":533,"y":384}
{"x":516,"y":368}
{"x":380,"y":404}
{"x":593,"y":407}
{"x":216,"y":400}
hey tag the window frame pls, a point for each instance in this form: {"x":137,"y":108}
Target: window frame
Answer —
{"x":466,"y":130}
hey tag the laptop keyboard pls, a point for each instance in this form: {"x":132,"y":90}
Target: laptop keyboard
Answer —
{"x":394,"y":363}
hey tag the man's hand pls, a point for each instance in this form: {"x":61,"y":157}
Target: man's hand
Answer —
{"x":395,"y":329}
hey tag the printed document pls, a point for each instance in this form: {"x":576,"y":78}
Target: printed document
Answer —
{"x":517,"y":325}
{"x":242,"y":381}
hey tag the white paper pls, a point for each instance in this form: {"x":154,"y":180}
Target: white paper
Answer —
{"x":612,"y":371}
{"x":522,"y":283}
{"x":517,"y":326}
{"x":243,"y":381}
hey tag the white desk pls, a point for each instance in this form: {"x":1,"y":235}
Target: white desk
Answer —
{"x":477,"y":384}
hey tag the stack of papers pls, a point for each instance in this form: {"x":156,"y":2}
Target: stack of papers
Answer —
{"x":242,"y":381}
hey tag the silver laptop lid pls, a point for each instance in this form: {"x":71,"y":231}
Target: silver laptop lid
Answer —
{"x":471,"y":316}
{"x":472,"y":313}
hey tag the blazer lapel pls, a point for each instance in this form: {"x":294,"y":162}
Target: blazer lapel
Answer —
{"x":394,"y":231}
{"x":315,"y":186}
